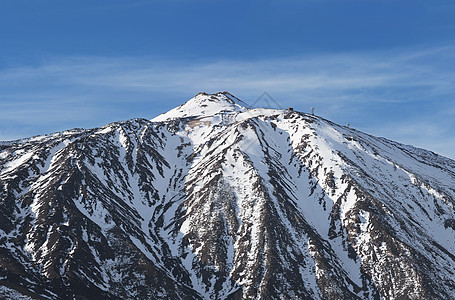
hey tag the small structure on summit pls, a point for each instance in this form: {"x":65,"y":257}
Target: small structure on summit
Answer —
{"x":289,"y":109}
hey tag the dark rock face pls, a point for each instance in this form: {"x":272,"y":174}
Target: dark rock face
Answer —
{"x":224,"y":203}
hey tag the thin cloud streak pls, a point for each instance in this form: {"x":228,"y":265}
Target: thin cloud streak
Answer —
{"x":338,"y":73}
{"x":360,"y":88}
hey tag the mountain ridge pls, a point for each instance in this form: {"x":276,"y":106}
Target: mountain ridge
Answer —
{"x":217,"y":204}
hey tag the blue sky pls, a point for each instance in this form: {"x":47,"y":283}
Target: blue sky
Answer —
{"x":385,"y":67}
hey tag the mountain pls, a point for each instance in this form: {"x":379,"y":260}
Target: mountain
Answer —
{"x":216,"y":200}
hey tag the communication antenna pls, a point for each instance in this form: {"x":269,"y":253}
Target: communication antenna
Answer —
{"x":312,"y":111}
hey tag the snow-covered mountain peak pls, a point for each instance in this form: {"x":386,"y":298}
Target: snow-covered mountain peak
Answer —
{"x":204,"y":104}
{"x":218,"y":200}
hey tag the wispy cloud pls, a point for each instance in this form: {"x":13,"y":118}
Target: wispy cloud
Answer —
{"x":369,"y":90}
{"x":337,"y":75}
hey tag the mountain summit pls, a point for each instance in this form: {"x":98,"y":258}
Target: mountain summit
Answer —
{"x":217,"y":200}
{"x":203,"y":105}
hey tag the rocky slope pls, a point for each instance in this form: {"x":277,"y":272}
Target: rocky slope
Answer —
{"x":215,"y":200}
